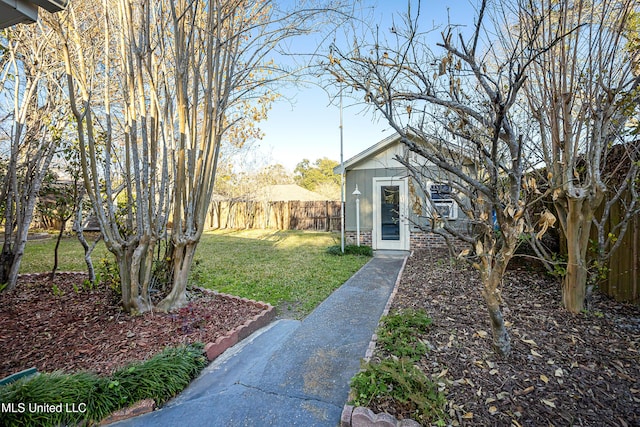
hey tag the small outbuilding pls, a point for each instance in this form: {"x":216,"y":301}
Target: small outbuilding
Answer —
{"x":395,"y":214}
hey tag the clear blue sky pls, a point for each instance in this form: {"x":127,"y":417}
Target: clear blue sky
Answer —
{"x":307,"y":126}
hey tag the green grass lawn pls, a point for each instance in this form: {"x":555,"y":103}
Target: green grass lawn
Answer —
{"x":288,"y":269}
{"x":38,"y":255}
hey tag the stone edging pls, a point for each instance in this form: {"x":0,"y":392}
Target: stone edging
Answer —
{"x":364,"y":417}
{"x":139,"y":408}
{"x":260,"y":320}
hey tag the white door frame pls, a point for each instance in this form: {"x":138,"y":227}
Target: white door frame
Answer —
{"x":377,"y":240}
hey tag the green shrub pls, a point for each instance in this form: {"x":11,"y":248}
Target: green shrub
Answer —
{"x":159,"y":378}
{"x":407,"y":386}
{"x":399,"y":332}
{"x":362,"y":250}
{"x":395,"y":381}
{"x":107,"y":273}
{"x":54,"y":389}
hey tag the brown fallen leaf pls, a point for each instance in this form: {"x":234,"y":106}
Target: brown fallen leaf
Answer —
{"x":525,"y":391}
{"x":626,"y":377}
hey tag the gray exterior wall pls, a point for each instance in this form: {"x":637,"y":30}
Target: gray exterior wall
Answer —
{"x":364,"y":179}
{"x":379,"y":161}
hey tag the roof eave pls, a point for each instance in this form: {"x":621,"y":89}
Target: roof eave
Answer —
{"x":374,"y":149}
{"x":51,"y":5}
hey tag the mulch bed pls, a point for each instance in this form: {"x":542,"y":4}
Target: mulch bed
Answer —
{"x":58,"y":325}
{"x":563,"y":370}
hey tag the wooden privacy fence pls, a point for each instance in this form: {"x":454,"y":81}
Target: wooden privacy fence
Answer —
{"x":623,"y":280}
{"x":286,"y":215}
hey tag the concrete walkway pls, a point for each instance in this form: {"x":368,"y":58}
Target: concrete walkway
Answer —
{"x":290,"y":373}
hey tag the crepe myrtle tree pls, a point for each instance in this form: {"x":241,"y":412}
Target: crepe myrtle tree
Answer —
{"x":32,"y":127}
{"x":454,"y":108}
{"x":582,"y":93}
{"x":156,"y":88}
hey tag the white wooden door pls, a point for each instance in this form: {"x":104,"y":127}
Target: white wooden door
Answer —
{"x":390,"y":227}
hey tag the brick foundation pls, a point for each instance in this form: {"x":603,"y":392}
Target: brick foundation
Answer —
{"x":417,"y":240}
{"x":350,"y":238}
{"x":425,"y":240}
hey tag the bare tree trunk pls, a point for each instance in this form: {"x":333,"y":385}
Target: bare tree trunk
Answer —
{"x":25,"y":213}
{"x":182,"y":257}
{"x":125,"y":282}
{"x":492,"y":269}
{"x":12,"y":277}
{"x":140,"y":275}
{"x":88,"y":249}
{"x":55,"y":250}
{"x":493,"y":299}
{"x":128,"y":282}
{"x":78,"y":228}
{"x":6,"y":260}
{"x":578,"y":226}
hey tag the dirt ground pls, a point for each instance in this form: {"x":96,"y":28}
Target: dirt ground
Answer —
{"x":563,"y":370}
{"x":58,"y":325}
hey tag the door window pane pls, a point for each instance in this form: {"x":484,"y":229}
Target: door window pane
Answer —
{"x":390,"y":212}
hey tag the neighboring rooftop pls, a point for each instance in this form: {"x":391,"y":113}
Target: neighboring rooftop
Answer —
{"x":26,"y":11}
